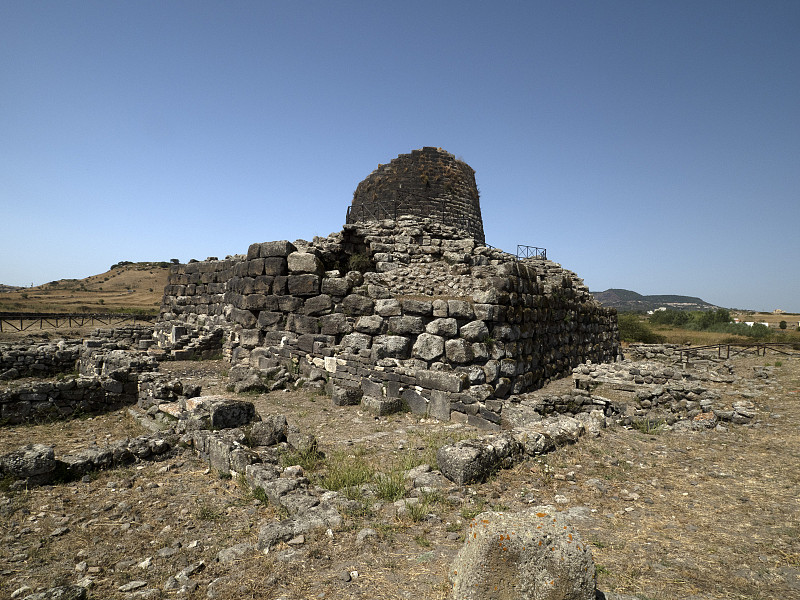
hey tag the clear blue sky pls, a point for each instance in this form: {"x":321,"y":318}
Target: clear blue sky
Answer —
{"x":653,"y":146}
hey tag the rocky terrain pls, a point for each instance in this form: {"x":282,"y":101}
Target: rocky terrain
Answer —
{"x":688,"y":508}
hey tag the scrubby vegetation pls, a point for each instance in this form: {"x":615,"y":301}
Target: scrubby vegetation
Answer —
{"x":717,"y":321}
{"x":633,"y":329}
{"x":697,"y":328}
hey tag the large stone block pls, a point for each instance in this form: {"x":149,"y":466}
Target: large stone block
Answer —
{"x":441,"y":380}
{"x":356,"y":341}
{"x":406,"y":325}
{"x":245,"y":318}
{"x":381,"y":406}
{"x":275,"y":266}
{"x":269,"y":320}
{"x":357,"y":305}
{"x":345,"y":395}
{"x":531,"y":555}
{"x":289,"y":304}
{"x":390,"y":346}
{"x":416,"y":402}
{"x":336,"y":286}
{"x":474,"y":331}
{"x":470,"y":461}
{"x":254,"y":302}
{"x":305,"y":262}
{"x":418,"y":307}
{"x":335,"y":324}
{"x":439,"y":405}
{"x":255,"y":267}
{"x":428,"y":347}
{"x":33,"y":460}
{"x":302,"y":324}
{"x":369,"y":324}
{"x":445,"y":327}
{"x":388,"y":307}
{"x":250,"y":338}
{"x":460,"y":309}
{"x":225,"y":413}
{"x":281,"y":248}
{"x":303,"y":285}
{"x":268,"y":432}
{"x":458,"y":351}
{"x":318,"y":305}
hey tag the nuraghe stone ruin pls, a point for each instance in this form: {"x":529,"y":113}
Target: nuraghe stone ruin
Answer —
{"x":405,"y":306}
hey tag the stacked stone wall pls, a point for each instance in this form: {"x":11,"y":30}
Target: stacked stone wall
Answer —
{"x":47,"y":400}
{"x":125,"y":335}
{"x":440,"y":323}
{"x":25,"y":359}
{"x":428,"y":183}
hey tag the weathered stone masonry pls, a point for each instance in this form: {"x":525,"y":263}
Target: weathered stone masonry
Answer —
{"x":403,"y":311}
{"x":426,"y":183}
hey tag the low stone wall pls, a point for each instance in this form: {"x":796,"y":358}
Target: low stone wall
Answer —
{"x":40,"y":359}
{"x":127,"y":336}
{"x":36,"y":464}
{"x":48,"y":400}
{"x":103,"y":362}
{"x":29,"y":357}
{"x":666,"y":390}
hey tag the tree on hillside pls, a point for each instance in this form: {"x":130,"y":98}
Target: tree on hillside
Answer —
{"x":782,"y":324}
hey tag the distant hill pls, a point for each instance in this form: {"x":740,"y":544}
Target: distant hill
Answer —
{"x":626,"y":300}
{"x":126,"y":286}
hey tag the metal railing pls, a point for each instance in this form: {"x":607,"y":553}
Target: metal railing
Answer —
{"x":732,"y":349}
{"x":25,"y":321}
{"x":524,"y":252}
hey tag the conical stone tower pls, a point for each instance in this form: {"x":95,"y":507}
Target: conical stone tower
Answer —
{"x":428,"y":183}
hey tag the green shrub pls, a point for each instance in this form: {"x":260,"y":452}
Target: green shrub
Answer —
{"x":360,"y":262}
{"x":633,"y":329}
{"x":678,"y":318}
{"x":416,"y":511}
{"x":699,"y":320}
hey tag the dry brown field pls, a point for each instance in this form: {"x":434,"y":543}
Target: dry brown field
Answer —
{"x":132,"y":287}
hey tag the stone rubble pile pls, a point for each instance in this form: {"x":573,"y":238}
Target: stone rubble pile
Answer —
{"x":662,"y":387}
{"x":36,"y":464}
{"x":473,"y":460}
{"x":236,"y":441}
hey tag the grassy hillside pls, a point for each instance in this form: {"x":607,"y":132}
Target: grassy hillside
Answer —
{"x":132,"y":287}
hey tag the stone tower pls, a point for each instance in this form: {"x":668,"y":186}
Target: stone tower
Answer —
{"x":428,"y":183}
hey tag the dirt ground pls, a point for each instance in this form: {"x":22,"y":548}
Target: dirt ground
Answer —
{"x":711,"y":514}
